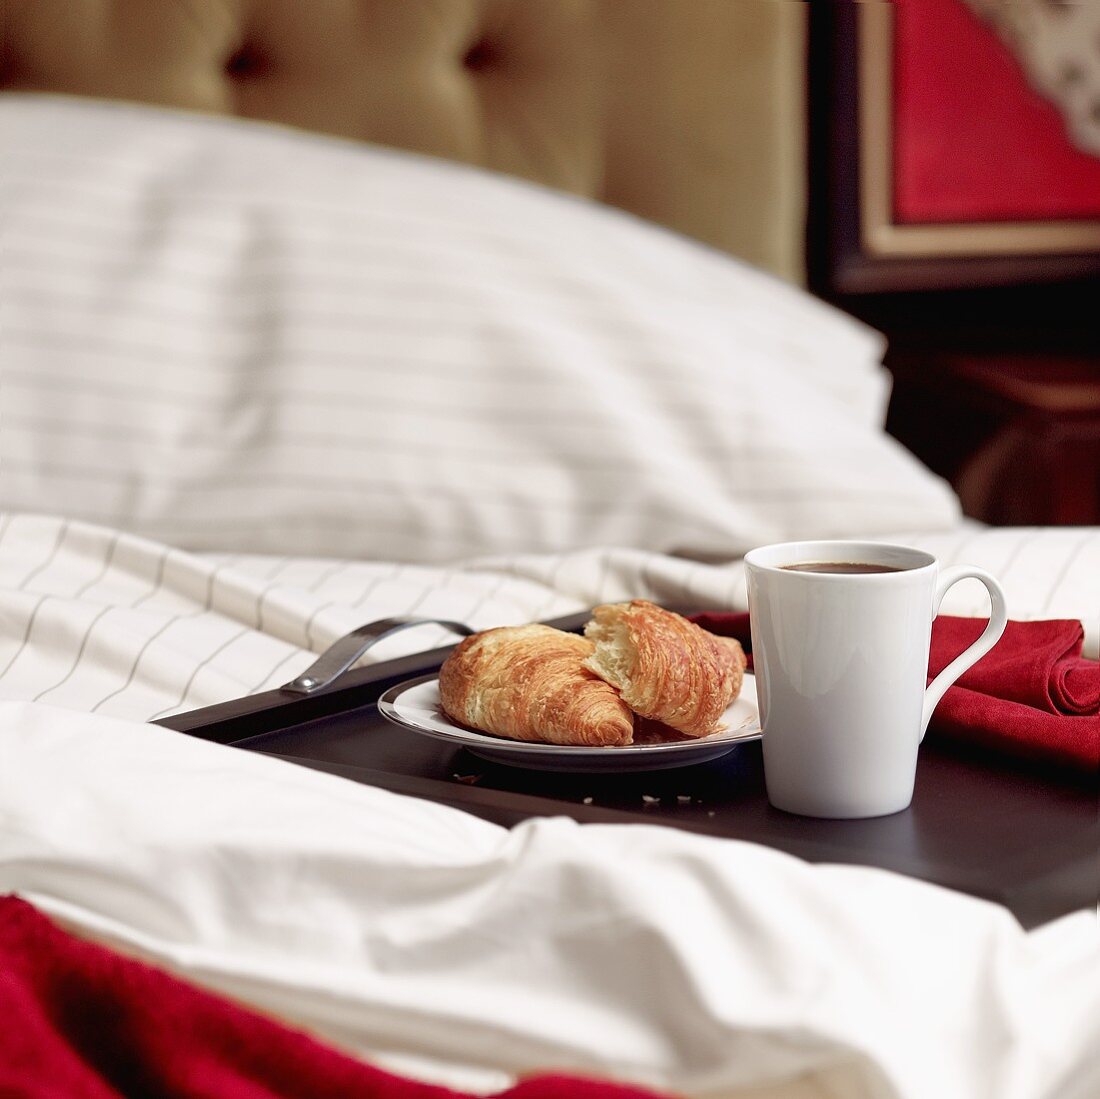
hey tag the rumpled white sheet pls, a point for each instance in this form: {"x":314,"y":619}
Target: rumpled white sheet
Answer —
{"x":456,"y":950}
{"x":97,"y":620}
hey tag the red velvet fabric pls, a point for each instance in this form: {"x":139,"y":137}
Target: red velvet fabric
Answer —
{"x":1033,"y":696}
{"x":80,"y":1021}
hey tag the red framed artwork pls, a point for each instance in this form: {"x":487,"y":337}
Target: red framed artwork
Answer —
{"x":964,"y":142}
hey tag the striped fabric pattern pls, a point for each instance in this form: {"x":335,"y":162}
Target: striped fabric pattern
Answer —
{"x":103,"y":621}
{"x":227,"y":336}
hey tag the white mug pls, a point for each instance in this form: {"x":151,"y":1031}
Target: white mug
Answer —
{"x":841,"y":663}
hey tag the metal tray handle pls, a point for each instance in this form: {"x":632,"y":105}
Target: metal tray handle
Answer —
{"x":345,"y":651}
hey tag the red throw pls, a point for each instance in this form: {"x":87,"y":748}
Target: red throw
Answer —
{"x":80,"y":1021}
{"x":1032,"y":696}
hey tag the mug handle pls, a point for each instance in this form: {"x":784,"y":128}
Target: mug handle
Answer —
{"x":998,"y":619}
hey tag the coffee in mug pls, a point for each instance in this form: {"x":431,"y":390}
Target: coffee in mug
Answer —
{"x":840,"y":639}
{"x":845,"y":568}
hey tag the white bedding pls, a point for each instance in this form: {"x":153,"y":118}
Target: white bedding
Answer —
{"x":459,"y":951}
{"x":184,"y":555}
{"x":228,"y":336}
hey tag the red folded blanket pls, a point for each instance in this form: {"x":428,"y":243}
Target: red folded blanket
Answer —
{"x":80,"y":1021}
{"x":1032,"y":696}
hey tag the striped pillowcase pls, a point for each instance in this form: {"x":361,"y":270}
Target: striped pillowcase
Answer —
{"x":227,"y":335}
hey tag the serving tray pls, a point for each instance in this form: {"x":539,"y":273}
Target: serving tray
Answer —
{"x":1006,"y":832}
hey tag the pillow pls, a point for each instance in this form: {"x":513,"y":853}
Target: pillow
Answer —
{"x":231,"y":336}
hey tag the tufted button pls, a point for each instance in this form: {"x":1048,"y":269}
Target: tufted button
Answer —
{"x":244,"y":64}
{"x":482,"y":55}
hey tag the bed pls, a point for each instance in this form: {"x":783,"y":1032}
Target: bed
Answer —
{"x":439,"y":310}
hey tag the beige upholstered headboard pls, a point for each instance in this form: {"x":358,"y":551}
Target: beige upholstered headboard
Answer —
{"x":686,"y":112}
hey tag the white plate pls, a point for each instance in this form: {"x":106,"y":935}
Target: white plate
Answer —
{"x":415,"y":705}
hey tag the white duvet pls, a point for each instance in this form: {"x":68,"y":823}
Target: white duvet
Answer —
{"x":210,"y":326}
{"x":459,"y":951}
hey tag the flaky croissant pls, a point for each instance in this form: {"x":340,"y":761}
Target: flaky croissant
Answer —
{"x":665,"y":667}
{"x":530,"y":683}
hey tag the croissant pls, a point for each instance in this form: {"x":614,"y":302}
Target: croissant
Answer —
{"x":665,"y":667}
{"x":529,"y":683}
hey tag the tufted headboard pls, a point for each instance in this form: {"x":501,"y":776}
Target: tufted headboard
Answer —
{"x":685,"y":112}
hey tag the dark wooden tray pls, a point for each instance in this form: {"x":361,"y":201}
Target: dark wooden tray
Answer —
{"x":1005,"y":832}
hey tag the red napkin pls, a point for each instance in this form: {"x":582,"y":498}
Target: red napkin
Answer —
{"x":1032,"y":696}
{"x":83,"y":1022}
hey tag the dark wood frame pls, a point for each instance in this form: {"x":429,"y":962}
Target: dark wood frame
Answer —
{"x":856,"y":247}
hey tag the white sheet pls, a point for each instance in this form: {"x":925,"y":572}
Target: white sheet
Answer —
{"x":99,"y":621}
{"x":459,"y":951}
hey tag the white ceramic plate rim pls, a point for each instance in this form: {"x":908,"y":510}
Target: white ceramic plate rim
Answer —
{"x":414,"y":704}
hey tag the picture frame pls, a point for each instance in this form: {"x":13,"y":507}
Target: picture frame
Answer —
{"x":868,"y":240}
